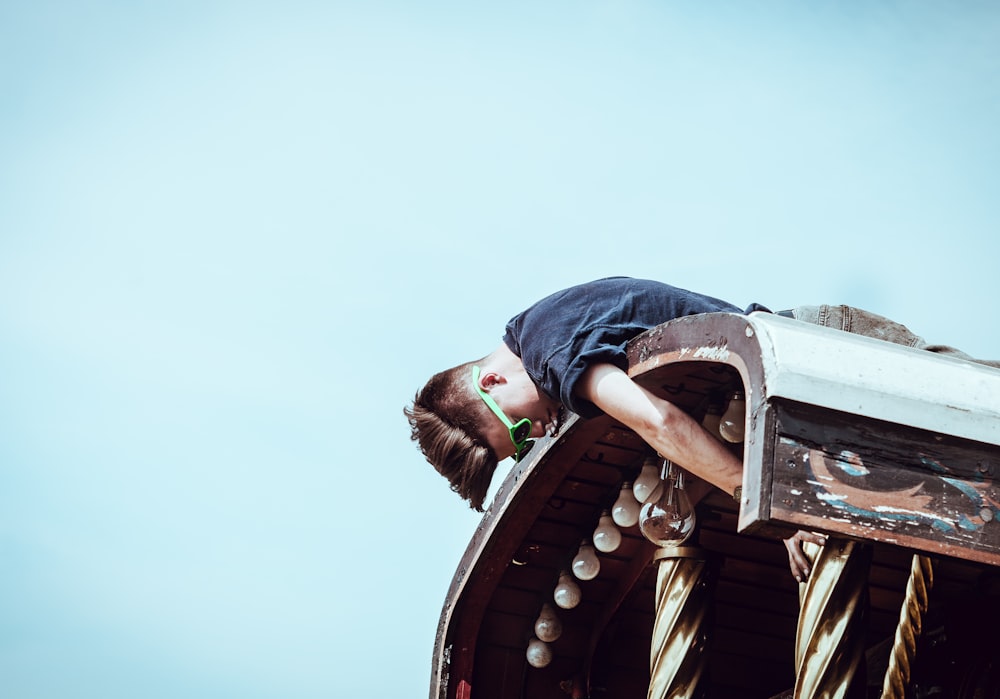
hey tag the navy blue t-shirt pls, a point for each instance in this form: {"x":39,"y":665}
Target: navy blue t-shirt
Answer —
{"x":561,"y":335}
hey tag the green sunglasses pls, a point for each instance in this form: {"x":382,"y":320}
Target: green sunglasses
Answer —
{"x":518,"y":432}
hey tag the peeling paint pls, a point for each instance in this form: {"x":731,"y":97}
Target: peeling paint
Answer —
{"x":851,"y":464}
{"x":831,"y":497}
{"x":888,"y":509}
{"x":719,"y":354}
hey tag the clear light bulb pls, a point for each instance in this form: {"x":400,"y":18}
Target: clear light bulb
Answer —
{"x":538,"y":654}
{"x":733,"y":424}
{"x":713,"y":416}
{"x":548,"y":628}
{"x":567,"y":592}
{"x":648,"y":478}
{"x":607,"y":537}
{"x":625,"y":511}
{"x":669,"y":519}
{"x":586,"y":565}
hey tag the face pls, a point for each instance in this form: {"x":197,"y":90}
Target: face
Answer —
{"x":519,"y":398}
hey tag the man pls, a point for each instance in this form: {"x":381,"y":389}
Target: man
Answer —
{"x":568,"y":351}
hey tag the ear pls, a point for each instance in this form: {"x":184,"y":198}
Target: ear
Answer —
{"x":490,"y":379}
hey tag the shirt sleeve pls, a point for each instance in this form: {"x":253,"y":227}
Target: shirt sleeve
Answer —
{"x":566,"y":366}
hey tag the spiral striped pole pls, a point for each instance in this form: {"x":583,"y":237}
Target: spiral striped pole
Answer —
{"x":833,"y":617}
{"x":677,"y":656}
{"x":911,"y":614}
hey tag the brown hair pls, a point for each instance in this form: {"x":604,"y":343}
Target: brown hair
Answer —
{"x":445,"y":421}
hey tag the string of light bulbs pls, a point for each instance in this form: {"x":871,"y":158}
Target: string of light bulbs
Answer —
{"x":656,"y":500}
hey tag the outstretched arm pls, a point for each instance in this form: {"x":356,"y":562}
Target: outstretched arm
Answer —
{"x":675,"y":435}
{"x":662,"y":425}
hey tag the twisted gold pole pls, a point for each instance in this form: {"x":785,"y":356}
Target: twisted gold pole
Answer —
{"x":911,"y":615}
{"x":833,"y":614}
{"x":680,"y":633}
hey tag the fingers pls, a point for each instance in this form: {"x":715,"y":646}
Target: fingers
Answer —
{"x":811,"y":537}
{"x":798,"y":563}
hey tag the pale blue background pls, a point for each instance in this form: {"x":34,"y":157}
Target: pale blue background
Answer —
{"x":236,"y":237}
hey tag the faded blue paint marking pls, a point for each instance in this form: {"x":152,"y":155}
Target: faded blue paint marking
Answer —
{"x":851,"y":469}
{"x":967,"y":524}
{"x":939,"y":524}
{"x":966,"y":490}
{"x":933,"y":464}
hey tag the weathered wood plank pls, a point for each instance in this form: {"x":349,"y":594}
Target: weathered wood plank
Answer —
{"x":868,"y":479}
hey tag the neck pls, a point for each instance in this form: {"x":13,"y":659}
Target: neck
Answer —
{"x":502,"y":360}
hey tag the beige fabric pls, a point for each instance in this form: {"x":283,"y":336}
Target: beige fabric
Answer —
{"x":861,"y":322}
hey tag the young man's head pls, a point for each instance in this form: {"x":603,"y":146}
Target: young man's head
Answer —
{"x":445,"y":421}
{"x":467,"y":418}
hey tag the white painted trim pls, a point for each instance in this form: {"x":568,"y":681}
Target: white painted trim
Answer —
{"x":871,"y":378}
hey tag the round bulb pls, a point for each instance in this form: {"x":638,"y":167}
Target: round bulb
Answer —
{"x":586,"y":565}
{"x":548,"y":628}
{"x":625,"y":511}
{"x":647,"y":479}
{"x":732,"y":426}
{"x":669,"y":519}
{"x":538,"y":654}
{"x":567,"y":592}
{"x":607,"y":537}
{"x":713,"y":416}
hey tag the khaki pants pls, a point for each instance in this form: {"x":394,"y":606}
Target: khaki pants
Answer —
{"x":860,"y":322}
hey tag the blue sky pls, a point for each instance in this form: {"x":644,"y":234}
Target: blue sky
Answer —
{"x":235,"y":238}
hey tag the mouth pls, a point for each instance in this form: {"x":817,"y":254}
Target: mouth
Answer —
{"x":555,"y":421}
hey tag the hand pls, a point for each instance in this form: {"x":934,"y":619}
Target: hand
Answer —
{"x":798,"y":562}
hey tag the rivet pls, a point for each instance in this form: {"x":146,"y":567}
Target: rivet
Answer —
{"x":986,"y":514}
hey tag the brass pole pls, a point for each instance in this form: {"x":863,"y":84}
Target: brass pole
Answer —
{"x":911,"y":614}
{"x":677,"y":655}
{"x":833,"y":616}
